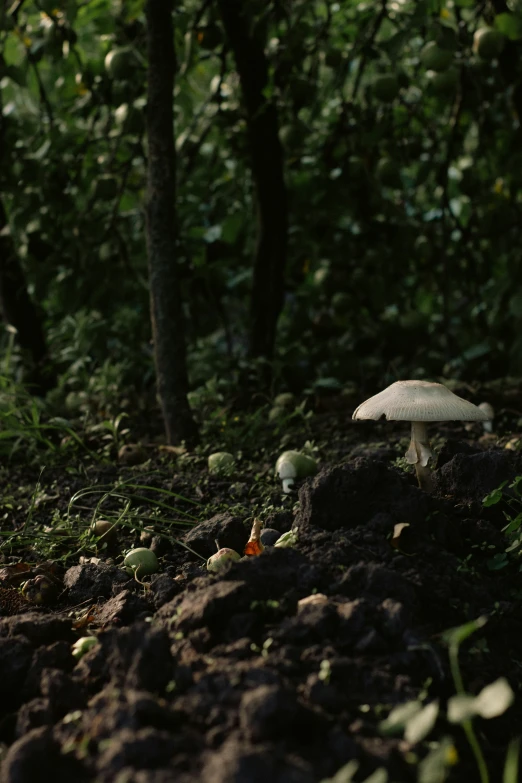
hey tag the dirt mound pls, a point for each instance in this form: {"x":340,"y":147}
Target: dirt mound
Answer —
{"x":234,"y":678}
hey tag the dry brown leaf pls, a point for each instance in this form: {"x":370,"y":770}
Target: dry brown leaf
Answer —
{"x":254,"y":545}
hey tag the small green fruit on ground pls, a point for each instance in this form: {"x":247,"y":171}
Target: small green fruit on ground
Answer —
{"x":83,"y":645}
{"x":289,"y":539}
{"x":488,"y":43}
{"x":285,"y":400}
{"x":385,"y":88}
{"x":221,"y":462}
{"x":221,"y":559}
{"x":141,"y":561}
{"x":388,"y":173}
{"x":132,"y":454}
{"x":105,"y":530}
{"x":434,"y":58}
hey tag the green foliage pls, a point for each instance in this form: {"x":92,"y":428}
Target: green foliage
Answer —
{"x":509,"y":494}
{"x":402,"y":161}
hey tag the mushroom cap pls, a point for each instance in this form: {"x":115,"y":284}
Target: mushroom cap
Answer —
{"x":419,"y":401}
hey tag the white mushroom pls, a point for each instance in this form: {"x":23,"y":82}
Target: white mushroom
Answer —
{"x":419,"y":402}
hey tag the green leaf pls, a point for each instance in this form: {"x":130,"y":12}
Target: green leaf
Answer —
{"x":476,"y":351}
{"x":511,"y":766}
{"x":418,"y":727}
{"x":231,"y":227}
{"x":514,"y":524}
{"x":455,"y":636}
{"x":379,"y":776}
{"x":399,"y":717}
{"x":494,"y":497}
{"x":510,"y":25}
{"x":16,"y":74}
{"x":497,"y":562}
{"x":494,"y":699}
{"x":515,"y":484}
{"x":433,"y":768}
{"x":212,"y":234}
{"x":461,"y":708}
{"x":345,"y":774}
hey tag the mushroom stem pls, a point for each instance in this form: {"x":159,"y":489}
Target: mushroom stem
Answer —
{"x":419,"y":453}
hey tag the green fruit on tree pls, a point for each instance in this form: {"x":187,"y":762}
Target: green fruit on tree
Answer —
{"x":385,"y":88}
{"x":434,"y":58}
{"x":388,"y":173}
{"x":120,"y":63}
{"x":446,"y":82}
{"x":488,"y":43}
{"x":292,"y":136}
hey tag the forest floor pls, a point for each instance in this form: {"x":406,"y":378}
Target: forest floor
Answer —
{"x":231,"y":677}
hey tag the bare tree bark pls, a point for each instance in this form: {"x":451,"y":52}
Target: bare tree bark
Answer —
{"x":168,"y":327}
{"x":17,"y":307}
{"x":268,"y":174}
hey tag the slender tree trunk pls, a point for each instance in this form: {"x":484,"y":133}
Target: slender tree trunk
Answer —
{"x":168,"y":328}
{"x":268,"y":174}
{"x":17,"y":307}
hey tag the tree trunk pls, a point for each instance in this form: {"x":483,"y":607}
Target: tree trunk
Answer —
{"x":18,"y":310}
{"x":268,"y":174}
{"x":168,"y":328}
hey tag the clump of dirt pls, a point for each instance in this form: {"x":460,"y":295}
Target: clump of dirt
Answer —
{"x":231,"y":678}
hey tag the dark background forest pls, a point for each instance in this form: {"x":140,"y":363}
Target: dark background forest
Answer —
{"x":347,"y":206}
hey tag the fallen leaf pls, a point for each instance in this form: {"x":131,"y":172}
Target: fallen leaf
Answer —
{"x":254,"y":545}
{"x":400,"y":530}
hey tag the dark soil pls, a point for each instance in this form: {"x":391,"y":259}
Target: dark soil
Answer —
{"x":228,"y":679}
